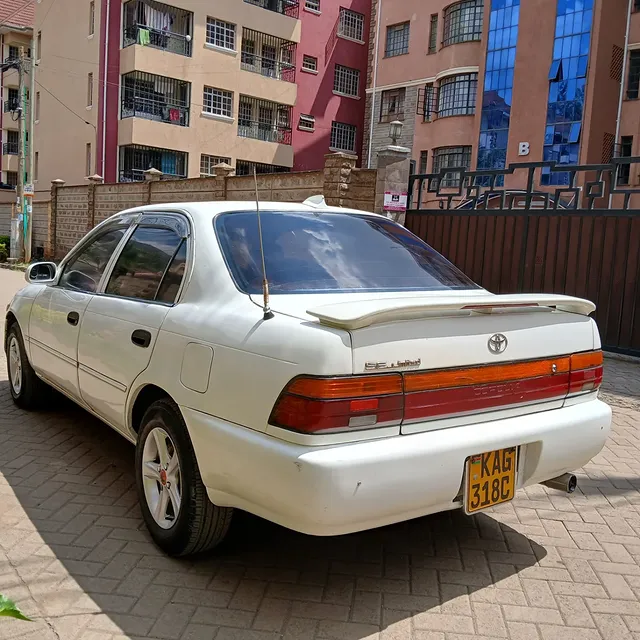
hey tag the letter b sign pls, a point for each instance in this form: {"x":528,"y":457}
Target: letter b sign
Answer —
{"x":523,"y":149}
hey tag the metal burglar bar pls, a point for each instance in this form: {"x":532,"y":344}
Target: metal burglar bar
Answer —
{"x":157,"y":25}
{"x":145,"y":95}
{"x":11,"y":146}
{"x":245,"y":168}
{"x":13,"y":100}
{"x":136,"y":159}
{"x":351,"y":24}
{"x":343,"y":137}
{"x":562,"y":240}
{"x":267,"y":55}
{"x":289,"y":8}
{"x":264,"y":120}
{"x":346,"y":80}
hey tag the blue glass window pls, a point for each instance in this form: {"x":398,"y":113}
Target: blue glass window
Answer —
{"x":567,"y":85}
{"x":498,"y":84}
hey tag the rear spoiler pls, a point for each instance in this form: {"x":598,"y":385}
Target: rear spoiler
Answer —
{"x":364,"y":313}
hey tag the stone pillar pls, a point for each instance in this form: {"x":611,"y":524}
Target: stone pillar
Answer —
{"x":53,"y":218}
{"x":337,"y":174}
{"x":222,"y":171}
{"x":94,"y":181}
{"x":394,"y":166}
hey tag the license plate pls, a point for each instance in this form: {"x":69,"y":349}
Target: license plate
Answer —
{"x":490,"y":479}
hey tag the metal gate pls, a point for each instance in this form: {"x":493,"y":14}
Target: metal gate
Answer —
{"x":565,"y":239}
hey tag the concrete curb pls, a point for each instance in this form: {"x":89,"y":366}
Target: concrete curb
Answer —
{"x":621,"y":357}
{"x":13,"y":267}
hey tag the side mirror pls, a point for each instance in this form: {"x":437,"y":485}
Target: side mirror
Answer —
{"x":41,"y":273}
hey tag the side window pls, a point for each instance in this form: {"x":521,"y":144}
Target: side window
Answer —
{"x":83,"y":273}
{"x":173,"y":278}
{"x":142,"y":265}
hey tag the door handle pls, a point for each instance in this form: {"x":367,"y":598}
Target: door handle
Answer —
{"x":73,"y":318}
{"x":141,"y":338}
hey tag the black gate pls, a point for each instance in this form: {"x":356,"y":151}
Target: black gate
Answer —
{"x":582,"y":239}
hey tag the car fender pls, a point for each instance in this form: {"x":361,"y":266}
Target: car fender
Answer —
{"x":21,"y":306}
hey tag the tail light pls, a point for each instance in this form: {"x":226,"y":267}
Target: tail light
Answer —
{"x":443,"y":393}
{"x":586,"y":372}
{"x":326,"y":405}
{"x":329,"y":405}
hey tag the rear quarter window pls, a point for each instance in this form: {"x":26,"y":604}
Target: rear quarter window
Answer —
{"x":317,"y":252}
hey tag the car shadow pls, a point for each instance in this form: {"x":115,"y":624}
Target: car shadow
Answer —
{"x":74,"y":553}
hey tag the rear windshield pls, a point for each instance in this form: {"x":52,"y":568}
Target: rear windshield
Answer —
{"x":331,"y":252}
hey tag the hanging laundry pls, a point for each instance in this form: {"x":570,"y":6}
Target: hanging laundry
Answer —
{"x":174,"y":115}
{"x":144,"y":37}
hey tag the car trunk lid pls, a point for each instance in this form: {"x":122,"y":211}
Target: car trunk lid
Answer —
{"x":496,"y":355}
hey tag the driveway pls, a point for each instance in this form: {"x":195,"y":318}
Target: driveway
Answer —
{"x":76,"y":557}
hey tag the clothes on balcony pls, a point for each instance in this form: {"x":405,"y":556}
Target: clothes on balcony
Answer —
{"x":174,"y":115}
{"x":144,"y":37}
{"x":158,"y":20}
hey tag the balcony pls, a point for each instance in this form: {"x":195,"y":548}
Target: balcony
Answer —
{"x":145,"y":95}
{"x":10,"y":148}
{"x":263,"y":120}
{"x":157,"y":25}
{"x":289,"y":8}
{"x":136,"y":159}
{"x":269,"y":56}
{"x":11,"y":105}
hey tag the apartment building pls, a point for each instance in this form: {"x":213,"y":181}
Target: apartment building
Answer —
{"x":628,"y":142}
{"x":332,"y":67}
{"x":485,"y":83}
{"x":16,"y":30}
{"x":128,"y":86}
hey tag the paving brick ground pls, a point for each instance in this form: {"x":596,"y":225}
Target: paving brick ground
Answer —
{"x":75,"y":555}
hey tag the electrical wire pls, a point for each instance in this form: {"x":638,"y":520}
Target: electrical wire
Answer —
{"x":46,"y":14}
{"x":67,"y":107}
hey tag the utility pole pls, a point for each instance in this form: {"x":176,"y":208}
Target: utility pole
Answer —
{"x":20,"y":223}
{"x":32,"y":147}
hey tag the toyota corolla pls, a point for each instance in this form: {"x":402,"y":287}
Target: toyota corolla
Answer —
{"x":377,"y":383}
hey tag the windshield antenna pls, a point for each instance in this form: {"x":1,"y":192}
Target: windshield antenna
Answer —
{"x":268,"y":314}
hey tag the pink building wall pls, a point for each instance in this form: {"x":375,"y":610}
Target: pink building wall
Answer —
{"x":315,"y":92}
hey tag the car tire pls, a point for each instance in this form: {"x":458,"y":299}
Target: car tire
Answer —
{"x":27,"y":390}
{"x":196,"y":525}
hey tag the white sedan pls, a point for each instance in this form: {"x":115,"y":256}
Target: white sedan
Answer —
{"x":378,"y":384}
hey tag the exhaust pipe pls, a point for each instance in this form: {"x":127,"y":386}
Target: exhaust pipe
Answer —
{"x":567,"y":482}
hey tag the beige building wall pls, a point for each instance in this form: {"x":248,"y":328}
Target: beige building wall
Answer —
{"x":66,"y":57}
{"x":62,"y":137}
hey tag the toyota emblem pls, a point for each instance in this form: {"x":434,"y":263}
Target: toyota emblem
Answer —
{"x":497,"y":343}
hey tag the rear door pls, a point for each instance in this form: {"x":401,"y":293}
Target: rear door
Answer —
{"x":58,"y":311}
{"x":121,"y":324}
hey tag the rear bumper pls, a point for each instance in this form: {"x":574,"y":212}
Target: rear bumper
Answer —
{"x":352,"y":487}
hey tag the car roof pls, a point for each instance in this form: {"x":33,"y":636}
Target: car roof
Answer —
{"x":213,"y":208}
